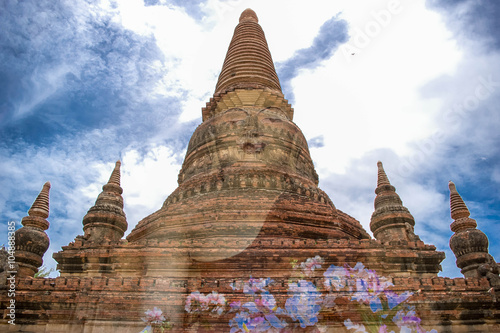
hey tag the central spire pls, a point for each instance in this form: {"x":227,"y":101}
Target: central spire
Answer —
{"x":248,"y":174}
{"x":248,"y":62}
{"x":248,"y":76}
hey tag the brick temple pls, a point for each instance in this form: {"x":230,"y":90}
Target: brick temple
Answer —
{"x":247,"y":205}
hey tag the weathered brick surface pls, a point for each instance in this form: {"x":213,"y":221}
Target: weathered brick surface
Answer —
{"x":247,"y":204}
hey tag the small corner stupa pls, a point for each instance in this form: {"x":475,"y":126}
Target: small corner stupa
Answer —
{"x":247,"y":205}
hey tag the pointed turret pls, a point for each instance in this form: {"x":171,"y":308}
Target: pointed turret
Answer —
{"x":248,"y":76}
{"x":115,"y":175}
{"x":390,"y":221}
{"x":31,"y":240}
{"x":106,"y":221}
{"x":470,"y":245}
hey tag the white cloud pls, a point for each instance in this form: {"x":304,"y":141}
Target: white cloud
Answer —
{"x":387,"y":102}
{"x":372,"y":101}
{"x":147,"y":180}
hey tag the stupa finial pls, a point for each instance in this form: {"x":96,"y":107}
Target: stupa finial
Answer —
{"x":115,"y":175}
{"x":458,"y":208}
{"x":40,"y":206}
{"x":382,"y":176}
{"x":249,"y":15}
{"x":248,"y":77}
{"x":248,"y":62}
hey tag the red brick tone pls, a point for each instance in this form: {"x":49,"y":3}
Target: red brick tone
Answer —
{"x":31,"y":239}
{"x":248,"y":60}
{"x":391,"y":221}
{"x":469,"y":244}
{"x":106,"y":221}
{"x":247,"y":205}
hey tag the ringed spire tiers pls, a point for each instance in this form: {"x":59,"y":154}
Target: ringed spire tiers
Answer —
{"x":106,"y":221}
{"x":248,"y":61}
{"x":31,"y":240}
{"x":469,"y":244}
{"x":390,"y":221}
{"x":248,"y":76}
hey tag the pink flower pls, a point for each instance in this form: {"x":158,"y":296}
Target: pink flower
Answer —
{"x":196,"y":302}
{"x":311,"y":264}
{"x":154,"y":316}
{"x":382,"y":329}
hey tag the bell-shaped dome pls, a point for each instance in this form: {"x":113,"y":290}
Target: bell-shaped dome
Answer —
{"x":247,"y":175}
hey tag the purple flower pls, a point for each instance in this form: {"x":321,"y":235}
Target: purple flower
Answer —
{"x":335,"y":277}
{"x":304,"y":305}
{"x":244,"y":322}
{"x":274,"y":321}
{"x":240,"y":322}
{"x":235,"y":306}
{"x":375,"y":304}
{"x":394,"y":299}
{"x":408,"y":319}
{"x":383,"y":329}
{"x":253,"y":286}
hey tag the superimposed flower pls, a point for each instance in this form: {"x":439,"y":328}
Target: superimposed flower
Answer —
{"x":265,"y":304}
{"x":335,"y":277}
{"x":367,"y":280}
{"x":257,"y":316}
{"x":240,"y":322}
{"x":368,"y":286}
{"x":383,"y":329}
{"x":369,"y":290}
{"x":147,"y":329}
{"x":274,"y":321}
{"x":305,"y":303}
{"x":407,"y":319}
{"x":358,"y":328}
{"x":235,"y":306}
{"x":245,"y":322}
{"x":196,"y":302}
{"x":218,"y":301}
{"x":311,"y":264}
{"x":266,"y":301}
{"x":216,"y":298}
{"x":154,"y":316}
{"x":253,"y":286}
{"x":394,"y":299}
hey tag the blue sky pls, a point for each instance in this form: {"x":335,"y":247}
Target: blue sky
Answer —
{"x":413,"y":84}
